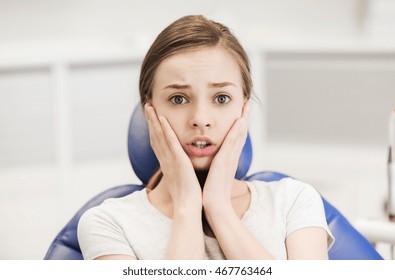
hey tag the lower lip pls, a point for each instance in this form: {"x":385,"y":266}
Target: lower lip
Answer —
{"x":197,"y":152}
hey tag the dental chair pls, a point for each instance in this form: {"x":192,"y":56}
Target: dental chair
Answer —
{"x":349,"y":243}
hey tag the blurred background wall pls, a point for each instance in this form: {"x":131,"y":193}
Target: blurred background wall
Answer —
{"x":324,"y":79}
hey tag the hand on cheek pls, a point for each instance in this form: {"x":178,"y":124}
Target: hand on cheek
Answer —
{"x":178,"y":173}
{"x":223,"y":168}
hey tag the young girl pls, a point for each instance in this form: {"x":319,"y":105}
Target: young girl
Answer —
{"x":195,"y":87}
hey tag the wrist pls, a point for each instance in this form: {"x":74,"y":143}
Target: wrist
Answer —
{"x":187,"y":210}
{"x":218,"y":209}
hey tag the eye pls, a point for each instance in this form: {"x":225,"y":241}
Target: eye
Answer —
{"x":222,"y":99}
{"x":178,"y":100}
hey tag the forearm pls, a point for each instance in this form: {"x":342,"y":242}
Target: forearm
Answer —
{"x":235,"y":240}
{"x":186,"y":237}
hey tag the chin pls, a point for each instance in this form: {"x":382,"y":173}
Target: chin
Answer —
{"x":201,"y":164}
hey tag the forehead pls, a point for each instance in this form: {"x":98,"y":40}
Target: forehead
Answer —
{"x":214,"y":64}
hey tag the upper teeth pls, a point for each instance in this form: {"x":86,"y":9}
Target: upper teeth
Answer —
{"x":200,"y":144}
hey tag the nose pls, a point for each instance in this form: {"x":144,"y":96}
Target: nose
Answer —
{"x":200,"y":116}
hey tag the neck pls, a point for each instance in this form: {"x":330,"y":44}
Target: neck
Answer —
{"x":202,"y":176}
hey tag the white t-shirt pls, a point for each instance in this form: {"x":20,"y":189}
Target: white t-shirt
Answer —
{"x":131,"y":225}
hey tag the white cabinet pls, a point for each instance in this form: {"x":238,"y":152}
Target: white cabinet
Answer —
{"x":330,"y":97}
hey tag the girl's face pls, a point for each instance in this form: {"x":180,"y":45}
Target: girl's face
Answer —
{"x":200,"y":93}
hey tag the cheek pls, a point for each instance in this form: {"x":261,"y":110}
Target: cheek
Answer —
{"x":171,"y":116}
{"x":160,"y":109}
{"x":174,"y":120}
{"x":228,"y":119}
{"x":227,"y":123}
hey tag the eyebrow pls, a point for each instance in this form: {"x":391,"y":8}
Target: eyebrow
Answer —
{"x":177,"y":86}
{"x":211,"y":85}
{"x":221,"y":85}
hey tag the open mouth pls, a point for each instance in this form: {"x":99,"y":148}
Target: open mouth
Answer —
{"x":201,"y":144}
{"x":201,"y":147}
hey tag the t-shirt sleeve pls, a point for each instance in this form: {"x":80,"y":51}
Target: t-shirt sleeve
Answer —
{"x":306,"y":210}
{"x":100,"y":235}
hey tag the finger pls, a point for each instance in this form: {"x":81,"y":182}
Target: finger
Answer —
{"x":153,"y":121}
{"x":246,"y":110}
{"x":172,"y":139}
{"x":150,"y":119}
{"x":146,"y":106}
{"x":155,"y":132}
{"x":163,"y":138}
{"x":234,"y":141}
{"x":244,"y":121}
{"x":151,"y":115}
{"x":238,"y":131}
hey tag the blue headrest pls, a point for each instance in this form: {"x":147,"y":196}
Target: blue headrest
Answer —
{"x":143,"y":159}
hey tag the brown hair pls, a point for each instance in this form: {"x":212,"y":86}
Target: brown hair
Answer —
{"x":191,"y":32}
